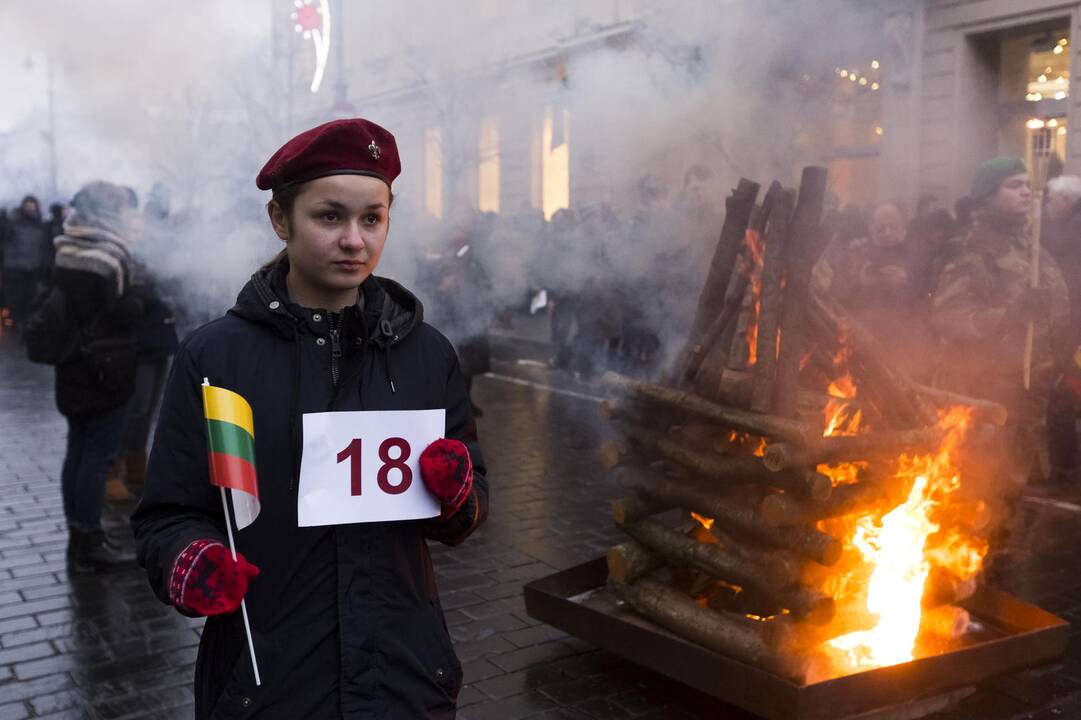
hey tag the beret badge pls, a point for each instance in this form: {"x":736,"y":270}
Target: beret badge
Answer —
{"x":374,"y":150}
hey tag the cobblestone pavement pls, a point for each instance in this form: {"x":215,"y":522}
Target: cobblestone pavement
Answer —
{"x":104,"y":647}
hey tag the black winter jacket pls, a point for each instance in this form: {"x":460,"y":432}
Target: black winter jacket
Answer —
{"x":346,"y":619}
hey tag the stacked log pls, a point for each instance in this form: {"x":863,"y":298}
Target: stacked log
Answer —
{"x":737,"y":452}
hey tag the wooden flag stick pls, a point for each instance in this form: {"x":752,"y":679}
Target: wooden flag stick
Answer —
{"x":243,"y":605}
{"x":1039,"y":178}
{"x":232,"y":549}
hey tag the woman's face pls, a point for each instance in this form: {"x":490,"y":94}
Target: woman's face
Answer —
{"x":1014,"y":196}
{"x":336,"y":231}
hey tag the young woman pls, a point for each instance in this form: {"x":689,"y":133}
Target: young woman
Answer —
{"x":346,"y":619}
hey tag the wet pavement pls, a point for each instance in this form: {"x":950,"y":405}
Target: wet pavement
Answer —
{"x":103,"y":647}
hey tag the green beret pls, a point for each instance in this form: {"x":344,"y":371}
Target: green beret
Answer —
{"x":991,"y":174}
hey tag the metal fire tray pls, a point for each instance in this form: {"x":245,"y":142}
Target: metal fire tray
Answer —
{"x":1019,"y":636}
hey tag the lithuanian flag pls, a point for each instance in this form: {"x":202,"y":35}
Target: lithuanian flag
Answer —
{"x":231,"y":435}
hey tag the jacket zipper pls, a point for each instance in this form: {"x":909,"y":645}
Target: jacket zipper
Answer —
{"x":335,"y":346}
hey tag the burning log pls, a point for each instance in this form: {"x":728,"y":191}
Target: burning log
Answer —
{"x":846,"y":619}
{"x":804,"y":542}
{"x":725,"y":633}
{"x":782,"y":509}
{"x":947,"y":621}
{"x":985,"y":410}
{"x":810,"y":605}
{"x":682,"y":401}
{"x":716,"y":346}
{"x":731,"y":469}
{"x":946,"y":588}
{"x":898,"y":400}
{"x":766,"y":573}
{"x":630,"y":560}
{"x":806,"y":244}
{"x":765,"y":369}
{"x":734,"y":388}
{"x":780,"y":456}
{"x":636,"y":507}
{"x":738,"y":209}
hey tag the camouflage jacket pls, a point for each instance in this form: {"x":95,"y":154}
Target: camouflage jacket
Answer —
{"x":976,"y":314}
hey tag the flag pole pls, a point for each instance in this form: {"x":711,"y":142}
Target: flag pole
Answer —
{"x":243,"y":604}
{"x":232,"y":549}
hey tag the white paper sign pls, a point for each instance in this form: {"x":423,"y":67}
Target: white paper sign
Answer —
{"x":362,"y":466}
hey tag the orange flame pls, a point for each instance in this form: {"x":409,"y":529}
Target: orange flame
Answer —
{"x":894,"y":554}
{"x":841,"y":417}
{"x":753,"y":240}
{"x":843,"y":473}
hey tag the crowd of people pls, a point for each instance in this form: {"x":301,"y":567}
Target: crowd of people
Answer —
{"x":947,"y":291}
{"x":79,"y":298}
{"x":951,"y":297}
{"x":616,"y":281}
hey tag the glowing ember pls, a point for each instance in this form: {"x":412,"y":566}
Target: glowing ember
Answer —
{"x":706,"y":522}
{"x":897,"y":552}
{"x":755,"y":444}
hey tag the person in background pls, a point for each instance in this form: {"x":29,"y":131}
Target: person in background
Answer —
{"x":981,"y":311}
{"x":1062,"y":239}
{"x":57,"y":214}
{"x":5,"y":313}
{"x":929,"y":236}
{"x":962,"y":212}
{"x":26,"y":257}
{"x":926,"y":203}
{"x":462,"y":292}
{"x":563,"y":279}
{"x":647,"y":246}
{"x":882,"y":290}
{"x":156,"y":344}
{"x":96,"y":272}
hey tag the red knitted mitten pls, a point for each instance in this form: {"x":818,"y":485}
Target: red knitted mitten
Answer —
{"x":447,"y":471}
{"x":207,"y":581}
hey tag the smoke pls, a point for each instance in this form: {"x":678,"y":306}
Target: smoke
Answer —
{"x":198,"y":96}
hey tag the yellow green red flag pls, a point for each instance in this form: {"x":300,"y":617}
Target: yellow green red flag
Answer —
{"x":231,"y":439}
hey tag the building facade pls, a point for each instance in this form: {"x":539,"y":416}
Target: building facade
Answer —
{"x":971,"y":79}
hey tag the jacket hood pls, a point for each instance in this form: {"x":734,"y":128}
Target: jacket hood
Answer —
{"x":387,"y":311}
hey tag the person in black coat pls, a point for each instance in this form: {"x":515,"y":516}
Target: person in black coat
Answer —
{"x":96,"y":273}
{"x":27,"y":252}
{"x":345,"y":619}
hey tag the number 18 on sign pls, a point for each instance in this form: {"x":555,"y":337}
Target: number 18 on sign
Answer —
{"x":362,"y":466}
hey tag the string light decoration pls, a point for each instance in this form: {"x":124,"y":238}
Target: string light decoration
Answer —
{"x":864,"y":80}
{"x":313,"y":22}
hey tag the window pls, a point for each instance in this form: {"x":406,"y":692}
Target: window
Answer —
{"x":433,"y":172}
{"x":555,"y":162}
{"x":488,"y":188}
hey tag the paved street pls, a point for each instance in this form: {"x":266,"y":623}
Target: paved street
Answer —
{"x":104,"y":647}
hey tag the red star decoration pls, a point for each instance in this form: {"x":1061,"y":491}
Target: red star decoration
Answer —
{"x":307,"y":18}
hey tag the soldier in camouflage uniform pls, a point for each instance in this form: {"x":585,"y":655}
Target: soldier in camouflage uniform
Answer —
{"x":981,"y":310}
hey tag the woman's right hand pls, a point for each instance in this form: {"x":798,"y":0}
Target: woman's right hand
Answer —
{"x":206,"y":580}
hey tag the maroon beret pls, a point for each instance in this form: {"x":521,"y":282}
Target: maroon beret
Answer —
{"x":339,"y":147}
